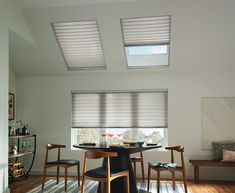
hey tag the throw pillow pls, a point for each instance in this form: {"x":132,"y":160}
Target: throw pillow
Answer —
{"x":228,"y":156}
{"x":219,"y":146}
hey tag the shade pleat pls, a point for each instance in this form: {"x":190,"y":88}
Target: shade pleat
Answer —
{"x":127,"y":109}
{"x":149,"y":30}
{"x":80,"y":40}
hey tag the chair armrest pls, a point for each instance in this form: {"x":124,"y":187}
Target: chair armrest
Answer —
{"x":179,"y":148}
{"x":52,"y":146}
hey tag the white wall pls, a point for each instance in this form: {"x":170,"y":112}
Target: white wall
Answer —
{"x":201,"y":64}
{"x":12,"y":81}
{"x":3,"y":108}
{"x":45,"y":102}
{"x":10,"y":19}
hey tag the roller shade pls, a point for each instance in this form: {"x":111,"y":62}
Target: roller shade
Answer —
{"x":80,"y":44}
{"x":146,"y":30}
{"x":135,"y":109}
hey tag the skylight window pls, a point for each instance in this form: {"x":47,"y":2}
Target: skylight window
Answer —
{"x":80,"y":44}
{"x":146,"y":50}
{"x":146,"y":41}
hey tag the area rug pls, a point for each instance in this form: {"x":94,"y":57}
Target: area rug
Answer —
{"x":91,"y":187}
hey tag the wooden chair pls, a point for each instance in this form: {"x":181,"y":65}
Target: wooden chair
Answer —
{"x":103,"y":174}
{"x":65,"y":163}
{"x":166,"y":167}
{"x":139,"y":159}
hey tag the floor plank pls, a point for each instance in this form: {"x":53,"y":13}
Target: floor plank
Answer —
{"x":202,"y":187}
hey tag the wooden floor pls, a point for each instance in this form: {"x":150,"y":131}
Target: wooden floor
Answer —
{"x":202,"y":187}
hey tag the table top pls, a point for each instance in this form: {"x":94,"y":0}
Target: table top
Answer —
{"x":119,"y":149}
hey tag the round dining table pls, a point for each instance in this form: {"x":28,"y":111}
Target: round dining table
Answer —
{"x":122,"y":161}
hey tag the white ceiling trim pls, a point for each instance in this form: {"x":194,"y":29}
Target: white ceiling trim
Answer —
{"x":29,"y":4}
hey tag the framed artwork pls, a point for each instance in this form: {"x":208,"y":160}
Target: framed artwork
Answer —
{"x":11,"y":106}
{"x":218,"y":120}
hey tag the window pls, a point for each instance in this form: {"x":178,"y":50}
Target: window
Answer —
{"x":119,"y":115}
{"x":116,"y":135}
{"x":146,"y":41}
{"x":80,"y":44}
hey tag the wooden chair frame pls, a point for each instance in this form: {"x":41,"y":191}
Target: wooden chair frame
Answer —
{"x":135,"y":160}
{"x":177,"y":148}
{"x":65,"y":164}
{"x":109,"y":178}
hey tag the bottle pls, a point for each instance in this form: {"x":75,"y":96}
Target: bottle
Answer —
{"x":24,"y":130}
{"x":27,"y":130}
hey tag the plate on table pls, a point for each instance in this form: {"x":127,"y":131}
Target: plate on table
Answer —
{"x":87,"y":144}
{"x":118,"y":145}
{"x":131,"y":143}
{"x":149,"y":144}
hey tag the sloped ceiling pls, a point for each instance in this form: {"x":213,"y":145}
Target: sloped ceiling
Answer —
{"x":190,"y":30}
{"x":28,"y":4}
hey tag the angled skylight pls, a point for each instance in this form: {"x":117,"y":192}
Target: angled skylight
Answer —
{"x":80,"y":44}
{"x":146,"y":41}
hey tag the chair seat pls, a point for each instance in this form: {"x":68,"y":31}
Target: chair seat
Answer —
{"x":137,"y":159}
{"x":164,"y":165}
{"x":101,"y":172}
{"x":64,"y":161}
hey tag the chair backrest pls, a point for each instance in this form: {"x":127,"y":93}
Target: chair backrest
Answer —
{"x":177,"y":148}
{"x":51,"y":146}
{"x":98,"y":155}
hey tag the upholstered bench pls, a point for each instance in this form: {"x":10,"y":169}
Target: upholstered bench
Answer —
{"x":214,"y":163}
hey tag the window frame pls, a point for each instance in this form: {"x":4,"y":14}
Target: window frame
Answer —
{"x":80,"y":68}
{"x":165,"y":129}
{"x":126,"y":46}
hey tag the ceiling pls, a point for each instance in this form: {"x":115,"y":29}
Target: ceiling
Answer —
{"x":45,"y":58}
{"x":28,"y":4}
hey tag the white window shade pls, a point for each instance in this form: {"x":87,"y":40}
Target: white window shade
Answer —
{"x":129,"y":109}
{"x":80,"y":44}
{"x":146,"y":31}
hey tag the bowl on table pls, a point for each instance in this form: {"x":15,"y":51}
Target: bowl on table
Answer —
{"x":140,"y":143}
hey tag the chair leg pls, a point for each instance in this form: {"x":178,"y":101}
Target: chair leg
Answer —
{"x":44,"y":176}
{"x":149,"y":173}
{"x":108,"y":188}
{"x":83,"y":184}
{"x":65,"y":178}
{"x":142,"y":168}
{"x":185,"y":182}
{"x":127,"y":184}
{"x":134,"y":164}
{"x":78,"y":173}
{"x":158,"y":181}
{"x":102,"y":187}
{"x":173,"y":179}
{"x":57,"y":174}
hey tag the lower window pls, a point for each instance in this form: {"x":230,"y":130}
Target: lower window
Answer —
{"x":116,"y":135}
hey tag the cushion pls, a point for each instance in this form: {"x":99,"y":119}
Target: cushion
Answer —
{"x":228,"y":156}
{"x":219,"y":146}
{"x":101,"y":172}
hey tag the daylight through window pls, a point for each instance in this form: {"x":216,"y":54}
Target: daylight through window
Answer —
{"x":146,"y":41}
{"x":119,"y":115}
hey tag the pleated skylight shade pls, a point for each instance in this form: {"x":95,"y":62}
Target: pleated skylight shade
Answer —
{"x":146,"y":30}
{"x":137,"y":109}
{"x":80,"y":44}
